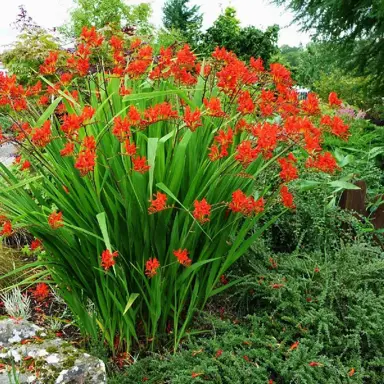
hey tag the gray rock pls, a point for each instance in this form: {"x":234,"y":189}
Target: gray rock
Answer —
{"x":42,"y":360}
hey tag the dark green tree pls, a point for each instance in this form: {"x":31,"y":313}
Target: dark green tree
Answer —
{"x":179,"y":16}
{"x":355,"y":26}
{"x":227,"y":32}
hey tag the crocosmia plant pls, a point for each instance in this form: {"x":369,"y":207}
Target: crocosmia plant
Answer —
{"x":145,"y":177}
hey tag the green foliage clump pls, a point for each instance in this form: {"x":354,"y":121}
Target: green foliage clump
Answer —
{"x":100,"y":13}
{"x":246,"y":42}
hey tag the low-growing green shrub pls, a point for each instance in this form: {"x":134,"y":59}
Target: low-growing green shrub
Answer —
{"x":303,"y":318}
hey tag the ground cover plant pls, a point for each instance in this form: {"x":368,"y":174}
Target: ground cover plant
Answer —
{"x":146,"y":177}
{"x":296,"y":318}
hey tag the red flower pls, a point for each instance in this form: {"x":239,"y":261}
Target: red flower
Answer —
{"x":245,"y":153}
{"x":130,"y":148}
{"x":121,"y":128}
{"x":213,"y":107}
{"x":26,"y":165}
{"x":41,"y":292}
{"x":35,"y":244}
{"x":159,"y":112}
{"x":351,"y":372}
{"x":87,"y":113}
{"x":266,"y":135}
{"x":287,"y":197}
{"x":324,"y":162}
{"x":192,"y":119}
{"x":311,"y":104}
{"x":125,"y":91}
{"x":108,"y":259}
{"x":116,"y":43}
{"x":280,"y":74}
{"x":245,"y":205}
{"x":288,"y":170}
{"x":68,"y":149}
{"x":315,"y":364}
{"x":86,"y":161}
{"x":89,"y":143}
{"x":151,"y":267}
{"x":245,"y":103}
{"x":140,"y":164}
{"x":49,"y":66}
{"x":214,"y":153}
{"x":257,"y":64}
{"x":55,"y":220}
{"x":158,"y":204}
{"x":182,"y":257}
{"x":338,"y":127}
{"x":91,"y":37}
{"x":202,"y":211}
{"x":66,"y":78}
{"x":334,"y":100}
{"x":42,"y":136}
{"x":44,"y":100}
{"x":7,"y":229}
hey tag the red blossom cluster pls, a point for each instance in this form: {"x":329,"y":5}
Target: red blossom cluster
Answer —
{"x":245,"y":205}
{"x":108,"y":259}
{"x":247,"y":93}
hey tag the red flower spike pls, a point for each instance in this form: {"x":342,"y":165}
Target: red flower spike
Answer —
{"x":257,"y":64}
{"x":91,"y":37}
{"x":333,"y":100}
{"x":202,"y":211}
{"x":42,"y":136}
{"x":108,"y":259}
{"x":7,"y":229}
{"x":214,"y":153}
{"x":286,"y":197}
{"x":116,"y":43}
{"x":66,"y":78}
{"x":158,"y":204}
{"x":288,"y":170}
{"x":311,"y":104}
{"x":130,"y":148}
{"x":182,"y":257}
{"x":55,"y":220}
{"x":323,"y":162}
{"x":121,"y":128}
{"x":140,"y":164}
{"x":245,"y":154}
{"x":192,"y":119}
{"x":68,"y":149}
{"x":280,"y":74}
{"x":213,"y":107}
{"x":151,"y":267}
{"x":89,"y":143}
{"x":86,"y":161}
{"x":245,"y":103}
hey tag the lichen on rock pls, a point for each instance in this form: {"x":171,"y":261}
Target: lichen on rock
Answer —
{"x":37,"y":360}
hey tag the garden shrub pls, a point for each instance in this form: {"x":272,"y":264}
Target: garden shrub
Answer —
{"x":146,"y":178}
{"x":308,"y":318}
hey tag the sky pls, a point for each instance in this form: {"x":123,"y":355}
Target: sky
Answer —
{"x":53,"y":13}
